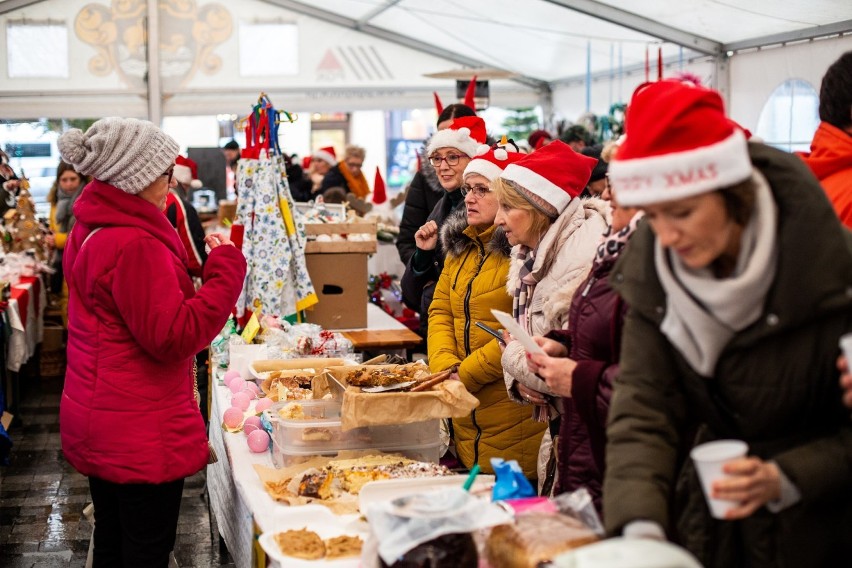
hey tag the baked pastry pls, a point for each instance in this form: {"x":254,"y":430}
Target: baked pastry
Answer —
{"x":364,"y":377}
{"x":535,"y":538}
{"x":319,"y":485}
{"x":292,"y":411}
{"x":316,"y":435}
{"x":301,"y":544}
{"x":343,"y":546}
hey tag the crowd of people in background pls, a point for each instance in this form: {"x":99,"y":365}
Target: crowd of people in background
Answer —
{"x":684,"y":283}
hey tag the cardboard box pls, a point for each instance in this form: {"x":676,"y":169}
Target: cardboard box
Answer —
{"x":313,"y":230}
{"x":54,"y":337}
{"x":340,"y":281}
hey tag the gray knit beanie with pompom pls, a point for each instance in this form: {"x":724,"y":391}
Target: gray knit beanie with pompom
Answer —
{"x":125,"y":152}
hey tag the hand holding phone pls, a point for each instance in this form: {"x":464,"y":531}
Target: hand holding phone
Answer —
{"x":491,"y":331}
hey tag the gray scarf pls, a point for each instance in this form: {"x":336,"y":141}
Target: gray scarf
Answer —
{"x":65,"y":208}
{"x":703,"y":312}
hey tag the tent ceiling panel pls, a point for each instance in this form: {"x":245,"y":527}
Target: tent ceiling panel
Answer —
{"x":542,"y":40}
{"x":729,"y":20}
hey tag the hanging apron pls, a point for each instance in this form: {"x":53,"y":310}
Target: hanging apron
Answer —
{"x":277,"y":280}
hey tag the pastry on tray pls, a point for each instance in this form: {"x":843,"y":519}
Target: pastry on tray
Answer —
{"x":343,"y":546}
{"x":385,"y":376}
{"x":301,"y":544}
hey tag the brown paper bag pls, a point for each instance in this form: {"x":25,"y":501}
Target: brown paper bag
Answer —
{"x":449,"y":399}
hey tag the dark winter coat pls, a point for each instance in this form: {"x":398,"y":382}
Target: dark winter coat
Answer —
{"x":775,"y":386}
{"x":595,"y":321}
{"x":424,"y":193}
{"x":418,"y":287}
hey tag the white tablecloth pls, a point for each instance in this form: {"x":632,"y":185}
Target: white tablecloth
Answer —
{"x":26,"y":335}
{"x":236,"y":494}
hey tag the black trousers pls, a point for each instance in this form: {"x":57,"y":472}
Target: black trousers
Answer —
{"x":136,"y":523}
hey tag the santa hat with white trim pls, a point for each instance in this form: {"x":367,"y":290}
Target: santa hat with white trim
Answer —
{"x":466,"y":134}
{"x":491,"y":164}
{"x":551,"y":176}
{"x":186,"y":172}
{"x":678,"y":143}
{"x":326,"y":154}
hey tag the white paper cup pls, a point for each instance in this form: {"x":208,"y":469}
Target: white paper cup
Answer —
{"x":846,"y":347}
{"x":709,"y":459}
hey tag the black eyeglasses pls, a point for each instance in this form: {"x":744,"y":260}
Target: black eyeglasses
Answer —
{"x":478,"y":191}
{"x":169,"y":173}
{"x":451,"y":159}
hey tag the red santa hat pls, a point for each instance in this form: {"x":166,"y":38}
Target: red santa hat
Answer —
{"x":551,"y":176}
{"x":186,"y":172}
{"x":678,"y":143}
{"x":491,"y":164}
{"x":466,"y":134}
{"x":326,"y":154}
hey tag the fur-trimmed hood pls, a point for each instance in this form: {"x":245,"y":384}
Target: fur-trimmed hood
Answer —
{"x":455,"y":242}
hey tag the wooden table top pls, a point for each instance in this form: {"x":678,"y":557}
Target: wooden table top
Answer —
{"x":372,"y":339}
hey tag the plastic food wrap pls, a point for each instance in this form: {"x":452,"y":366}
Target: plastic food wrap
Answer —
{"x":535,"y":537}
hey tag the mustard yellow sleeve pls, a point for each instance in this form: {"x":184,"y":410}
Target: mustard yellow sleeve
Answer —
{"x":443,"y":352}
{"x":59,"y":237}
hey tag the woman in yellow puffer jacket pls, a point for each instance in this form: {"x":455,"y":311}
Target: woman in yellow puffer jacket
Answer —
{"x":472,"y":283}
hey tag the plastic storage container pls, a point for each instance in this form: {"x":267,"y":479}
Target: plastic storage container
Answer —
{"x":425,"y":453}
{"x":326,"y":434}
{"x":313,"y":410}
{"x":320,"y":433}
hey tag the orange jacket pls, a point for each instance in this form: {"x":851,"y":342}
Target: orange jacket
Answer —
{"x":830,"y":159}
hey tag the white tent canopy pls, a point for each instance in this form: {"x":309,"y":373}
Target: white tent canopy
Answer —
{"x":569,"y":56}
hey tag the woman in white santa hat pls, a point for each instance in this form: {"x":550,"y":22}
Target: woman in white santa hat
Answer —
{"x":739,"y":286}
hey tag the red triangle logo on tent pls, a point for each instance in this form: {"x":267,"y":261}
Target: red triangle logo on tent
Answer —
{"x":329,"y":62}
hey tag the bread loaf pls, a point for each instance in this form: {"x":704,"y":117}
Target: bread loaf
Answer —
{"x":534,"y":538}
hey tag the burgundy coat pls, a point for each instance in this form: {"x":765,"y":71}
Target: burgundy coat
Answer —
{"x":595,"y":321}
{"x":135,"y":322}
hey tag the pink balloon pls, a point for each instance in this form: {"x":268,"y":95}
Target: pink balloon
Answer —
{"x":258,"y":441}
{"x":252,"y":386}
{"x":251,"y":424}
{"x":240,"y":400}
{"x":262,"y":404}
{"x":232,"y":417}
{"x":230,"y":375}
{"x":237,"y":384}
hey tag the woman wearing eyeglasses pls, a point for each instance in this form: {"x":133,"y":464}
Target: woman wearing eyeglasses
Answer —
{"x":473,"y":281}
{"x":129,"y":417}
{"x":554,"y":235}
{"x":449,"y":150}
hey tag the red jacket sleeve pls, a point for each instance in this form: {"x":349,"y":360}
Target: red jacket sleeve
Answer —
{"x":167,"y":324}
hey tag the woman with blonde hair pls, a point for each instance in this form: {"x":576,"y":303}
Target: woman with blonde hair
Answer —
{"x":554,"y":234}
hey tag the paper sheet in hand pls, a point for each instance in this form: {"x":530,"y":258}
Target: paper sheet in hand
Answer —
{"x":519,"y":333}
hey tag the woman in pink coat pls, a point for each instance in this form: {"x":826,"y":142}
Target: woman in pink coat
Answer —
{"x":128,"y":417}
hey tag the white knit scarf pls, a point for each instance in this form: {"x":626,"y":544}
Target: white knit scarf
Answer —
{"x":704,"y":312}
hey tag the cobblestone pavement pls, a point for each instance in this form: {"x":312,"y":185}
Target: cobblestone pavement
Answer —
{"x":42,"y":497}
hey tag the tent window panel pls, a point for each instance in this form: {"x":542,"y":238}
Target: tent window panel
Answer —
{"x":37,"y":50}
{"x":269,"y":49}
{"x":790,"y":116}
